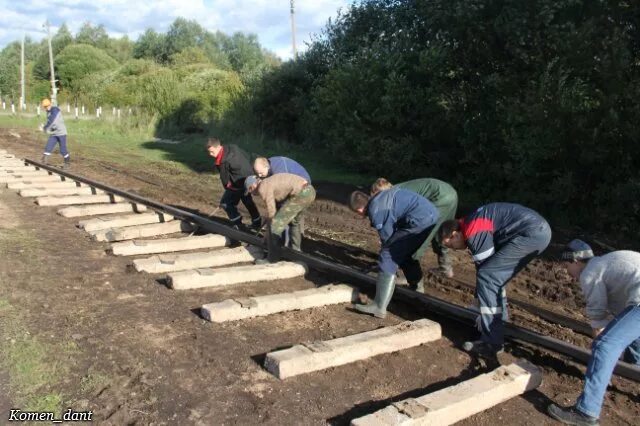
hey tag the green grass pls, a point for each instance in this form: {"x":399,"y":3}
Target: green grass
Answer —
{"x":33,"y":374}
{"x":93,"y":382}
{"x":133,"y":144}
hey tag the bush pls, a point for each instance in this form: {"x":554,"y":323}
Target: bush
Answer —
{"x":531,"y":102}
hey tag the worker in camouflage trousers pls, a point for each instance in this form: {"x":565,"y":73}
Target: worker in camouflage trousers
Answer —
{"x":294,"y":194}
{"x":611,"y":288}
{"x":403,"y":220}
{"x":57,"y":131}
{"x":502,"y":238}
{"x":445,"y":198}
{"x":266,"y":167}
{"x":234,"y":166}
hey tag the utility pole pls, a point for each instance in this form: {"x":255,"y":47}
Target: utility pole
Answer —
{"x":293,"y":29}
{"x":54,"y":91}
{"x":23,"y":100}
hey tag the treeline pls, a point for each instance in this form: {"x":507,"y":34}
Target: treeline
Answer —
{"x":528,"y":101}
{"x":183,"y":80}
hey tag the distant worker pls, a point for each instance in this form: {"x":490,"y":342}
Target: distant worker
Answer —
{"x":403,"y":220}
{"x":611,"y":288}
{"x":502,"y":238}
{"x":293,"y":193}
{"x":275,"y":165}
{"x":233,"y":165}
{"x":57,"y":133}
{"x":445,"y":198}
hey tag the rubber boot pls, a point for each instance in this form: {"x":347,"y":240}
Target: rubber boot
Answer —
{"x":419,"y":286}
{"x":384,"y":291}
{"x":274,"y":250}
{"x":295,"y":236}
{"x":67,"y":162}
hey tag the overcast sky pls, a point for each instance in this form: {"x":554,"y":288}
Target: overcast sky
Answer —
{"x":269,"y":19}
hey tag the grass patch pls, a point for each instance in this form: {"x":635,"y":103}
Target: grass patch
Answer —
{"x":135,"y":145}
{"x":22,"y":243}
{"x":18,"y":241}
{"x":26,"y":359}
{"x":93,"y":382}
{"x":51,"y":403}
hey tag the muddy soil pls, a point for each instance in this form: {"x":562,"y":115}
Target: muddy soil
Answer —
{"x":160,"y":363}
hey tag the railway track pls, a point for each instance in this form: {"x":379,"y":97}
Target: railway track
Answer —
{"x":148,"y":213}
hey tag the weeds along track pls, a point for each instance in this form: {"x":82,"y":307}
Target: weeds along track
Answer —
{"x":186,"y":250}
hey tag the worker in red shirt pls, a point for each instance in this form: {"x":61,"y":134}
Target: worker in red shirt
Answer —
{"x":233,"y":166}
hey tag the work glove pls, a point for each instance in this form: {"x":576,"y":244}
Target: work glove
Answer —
{"x":479,"y":323}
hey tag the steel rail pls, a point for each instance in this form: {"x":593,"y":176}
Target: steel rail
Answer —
{"x":360,"y":279}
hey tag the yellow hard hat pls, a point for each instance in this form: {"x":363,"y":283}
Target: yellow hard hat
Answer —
{"x":46,"y":103}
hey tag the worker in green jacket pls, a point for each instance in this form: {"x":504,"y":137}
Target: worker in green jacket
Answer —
{"x":445,"y":198}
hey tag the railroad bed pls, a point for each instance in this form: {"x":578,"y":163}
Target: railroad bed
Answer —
{"x":186,"y":251}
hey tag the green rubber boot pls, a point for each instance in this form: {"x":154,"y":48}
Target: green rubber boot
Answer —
{"x":295,"y":236}
{"x":384,"y":291}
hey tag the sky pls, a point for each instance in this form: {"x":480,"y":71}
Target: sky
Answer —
{"x":269,"y":19}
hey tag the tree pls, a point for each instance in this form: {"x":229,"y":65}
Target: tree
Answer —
{"x":94,"y":36}
{"x":244,"y":51}
{"x":62,"y":38}
{"x":77,"y":61}
{"x":212,"y":46}
{"x":10,"y":71}
{"x":183,"y":34}
{"x":189,"y":56}
{"x":120,"y":49}
{"x":151,"y":45}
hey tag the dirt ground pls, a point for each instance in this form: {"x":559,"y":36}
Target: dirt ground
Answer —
{"x":140,"y":353}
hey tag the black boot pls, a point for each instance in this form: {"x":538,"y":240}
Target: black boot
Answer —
{"x":482,"y":349}
{"x":274,"y":250}
{"x":236,"y":243}
{"x":571,"y":416}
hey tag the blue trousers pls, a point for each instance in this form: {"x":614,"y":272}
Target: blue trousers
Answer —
{"x":494,"y":273}
{"x":623,"y":331}
{"x":397,"y":253}
{"x":229,"y":203}
{"x":53,"y":141}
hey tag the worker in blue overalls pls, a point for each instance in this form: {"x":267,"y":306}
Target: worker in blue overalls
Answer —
{"x":57,"y":131}
{"x":502,"y":238}
{"x":403,"y":220}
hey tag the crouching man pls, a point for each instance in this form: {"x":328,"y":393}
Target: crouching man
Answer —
{"x":293,"y":194}
{"x":611,"y":288}
{"x":403,"y":220}
{"x":445,"y":198}
{"x":502,"y":238}
{"x":266,"y":167}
